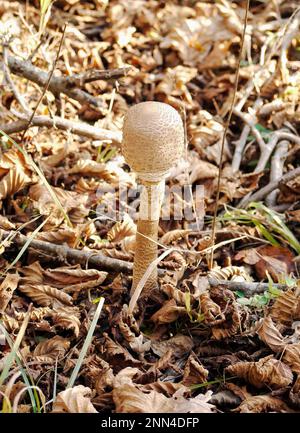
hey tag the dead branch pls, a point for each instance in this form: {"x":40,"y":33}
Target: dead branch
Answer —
{"x":79,"y":128}
{"x":270,"y":107}
{"x":277,"y":164}
{"x":270,"y":146}
{"x":249,"y":288}
{"x":64,"y":253}
{"x":250,"y":120}
{"x":241,"y":143}
{"x":78,"y":80}
{"x":67,"y":85}
{"x":263,"y":192}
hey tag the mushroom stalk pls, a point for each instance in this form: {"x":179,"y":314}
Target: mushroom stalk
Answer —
{"x":146,"y":237}
{"x":153,"y":141}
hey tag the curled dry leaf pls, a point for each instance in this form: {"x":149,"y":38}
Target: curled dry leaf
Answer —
{"x":270,"y":335}
{"x":284,"y":307}
{"x":36,"y":314}
{"x":59,"y":237}
{"x":130,"y":331}
{"x":73,"y":278}
{"x":211,"y":311}
{"x":266,"y":372}
{"x":7,"y":288}
{"x":166,"y":388}
{"x":118,"y":356}
{"x":128,"y":398}
{"x":168,"y":313}
{"x":13,"y":182}
{"x":67,"y":318}
{"x":52,"y":349}
{"x":180,"y":345}
{"x":173,"y":236}
{"x":9,"y":323}
{"x":74,"y":400}
{"x":291,"y":357}
{"x":194,"y":372}
{"x":88,"y":167}
{"x":45,"y":295}
{"x":122,"y":229}
{"x":173,"y":293}
{"x":262,"y":403}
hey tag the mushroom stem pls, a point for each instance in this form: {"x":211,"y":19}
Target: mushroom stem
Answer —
{"x":147,"y":230}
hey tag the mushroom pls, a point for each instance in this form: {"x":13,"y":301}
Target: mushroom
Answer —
{"x":153,"y":141}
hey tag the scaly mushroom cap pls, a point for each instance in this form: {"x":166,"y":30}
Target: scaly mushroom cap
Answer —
{"x":153,"y":138}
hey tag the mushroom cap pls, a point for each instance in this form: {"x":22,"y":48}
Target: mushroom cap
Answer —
{"x":153,"y":138}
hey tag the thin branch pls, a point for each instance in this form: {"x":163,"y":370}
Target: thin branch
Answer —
{"x":226,"y":129}
{"x":79,"y":128}
{"x":249,"y":288}
{"x":70,"y":86}
{"x":64,"y":253}
{"x":277,"y":164}
{"x":263,"y":192}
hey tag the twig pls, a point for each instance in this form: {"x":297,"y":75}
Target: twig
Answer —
{"x":241,"y":143}
{"x":248,"y":288}
{"x":277,"y":164}
{"x":270,"y":107}
{"x":236,"y":82}
{"x":67,"y":85}
{"x":270,"y":146}
{"x":250,"y":120}
{"x":263,"y":192}
{"x":78,"y":80}
{"x":64,"y":253}
{"x":9,"y":80}
{"x":79,"y":128}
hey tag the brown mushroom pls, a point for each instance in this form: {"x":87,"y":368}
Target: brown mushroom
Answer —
{"x":153,"y":141}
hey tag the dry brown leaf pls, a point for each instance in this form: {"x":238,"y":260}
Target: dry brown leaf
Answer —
{"x":194,"y":372}
{"x":52,"y":349}
{"x":173,"y":236}
{"x":6,"y":224}
{"x":211,"y":311}
{"x":173,"y":293}
{"x":166,"y":388}
{"x":67,"y":318}
{"x":262,"y":403}
{"x":291,"y":357}
{"x":61,"y":236}
{"x":265,"y":372}
{"x":32,"y":274}
{"x":36,"y":314}
{"x":118,"y":356}
{"x":73,"y":278}
{"x":14,"y":181}
{"x":168,"y":313}
{"x":45,"y":295}
{"x":180,"y":345}
{"x":88,"y":167}
{"x":7,"y":288}
{"x":284,"y":307}
{"x":74,"y":400}
{"x":128,"y":398}
{"x":9,"y":323}
{"x":122,"y":229}
{"x":270,"y":335}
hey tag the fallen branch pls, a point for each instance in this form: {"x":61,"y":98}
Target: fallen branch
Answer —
{"x":79,"y":128}
{"x":65,"y":253}
{"x":67,"y":85}
{"x":263,"y":192}
{"x":277,"y":163}
{"x":248,"y":288}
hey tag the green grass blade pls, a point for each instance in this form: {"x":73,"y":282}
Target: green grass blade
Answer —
{"x":86,"y":344}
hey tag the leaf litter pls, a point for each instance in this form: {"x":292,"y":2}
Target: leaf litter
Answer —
{"x":193,"y":346}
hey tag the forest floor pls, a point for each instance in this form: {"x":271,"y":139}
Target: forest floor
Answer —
{"x":222,"y":330}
